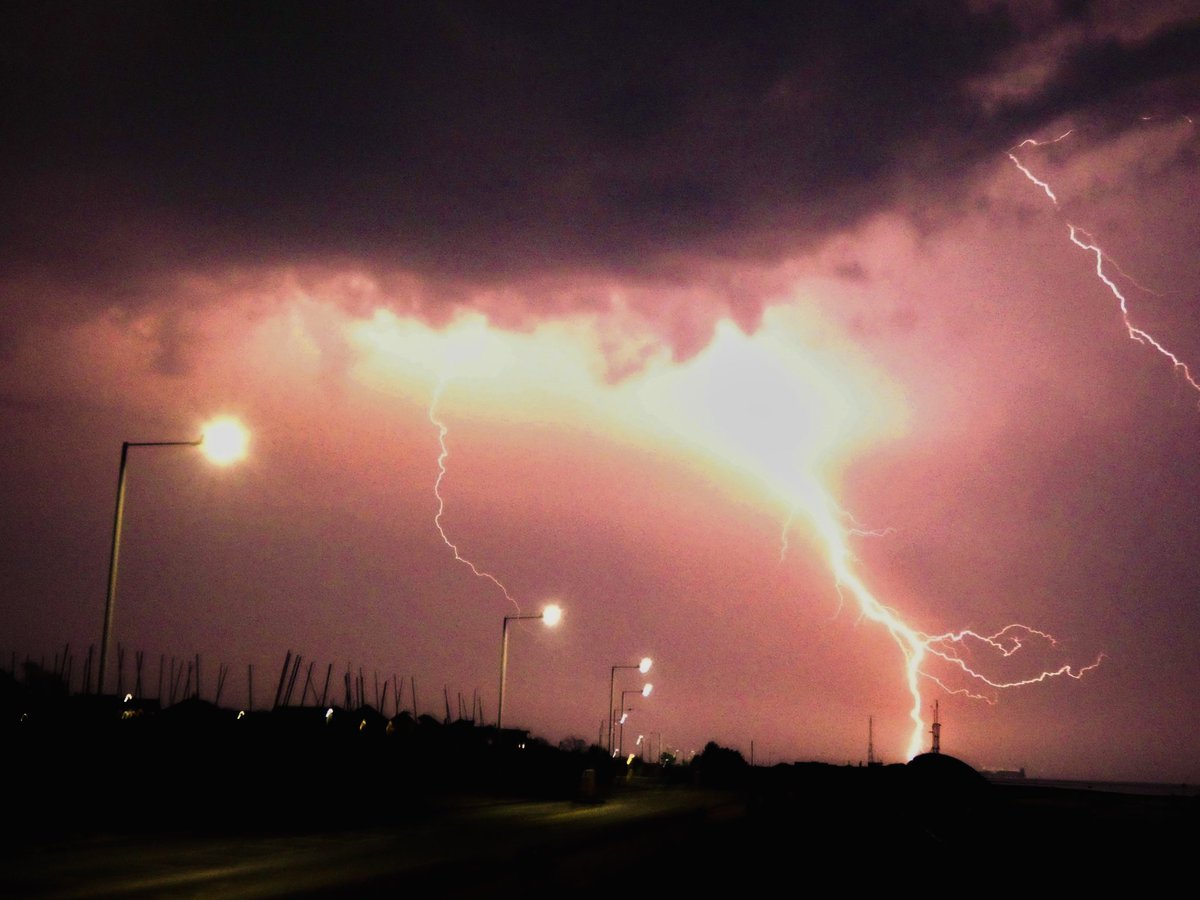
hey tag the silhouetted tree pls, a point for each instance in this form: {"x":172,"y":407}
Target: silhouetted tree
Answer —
{"x":720,"y":766}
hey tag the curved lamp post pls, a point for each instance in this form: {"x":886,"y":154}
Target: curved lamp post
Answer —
{"x":643,"y":667}
{"x":550,"y":616}
{"x":223,"y":441}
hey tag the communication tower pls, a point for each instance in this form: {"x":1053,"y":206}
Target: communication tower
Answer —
{"x":936,"y":730}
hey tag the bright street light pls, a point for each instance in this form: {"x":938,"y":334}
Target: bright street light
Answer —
{"x":223,"y":441}
{"x":643,"y":667}
{"x":551,"y":615}
{"x":645,"y":692}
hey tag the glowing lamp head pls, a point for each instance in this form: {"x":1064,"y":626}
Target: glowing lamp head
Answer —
{"x":552,"y":615}
{"x":224,"y":441}
{"x":645,"y":664}
{"x":647,"y":689}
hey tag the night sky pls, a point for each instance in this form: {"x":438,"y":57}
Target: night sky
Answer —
{"x":721,"y":305}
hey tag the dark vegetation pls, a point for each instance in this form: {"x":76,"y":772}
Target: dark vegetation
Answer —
{"x":92,"y":763}
{"x":81,"y":764}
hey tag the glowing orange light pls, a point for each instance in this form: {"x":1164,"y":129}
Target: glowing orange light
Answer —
{"x":224,"y":441}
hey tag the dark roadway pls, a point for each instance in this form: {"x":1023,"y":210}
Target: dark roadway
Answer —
{"x":643,"y":837}
{"x":463,"y":849}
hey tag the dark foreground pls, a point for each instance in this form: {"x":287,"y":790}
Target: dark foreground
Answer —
{"x":645,"y":836}
{"x":105,"y":801}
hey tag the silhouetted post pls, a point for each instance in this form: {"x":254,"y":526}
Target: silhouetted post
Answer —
{"x":307,"y":682}
{"x":287,"y":661}
{"x":325,"y":691}
{"x":222,"y":672}
{"x":446,"y":699}
{"x":395,"y":696}
{"x":291,"y":685}
{"x":138,"y":658}
{"x":162,"y":658}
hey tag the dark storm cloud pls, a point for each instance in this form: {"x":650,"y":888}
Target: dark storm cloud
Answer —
{"x":484,"y":143}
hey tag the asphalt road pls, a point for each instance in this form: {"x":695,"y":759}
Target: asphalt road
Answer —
{"x":644,"y":838}
{"x":469,"y":848}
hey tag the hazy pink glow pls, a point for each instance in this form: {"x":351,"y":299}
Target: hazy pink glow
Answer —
{"x":747,"y":341}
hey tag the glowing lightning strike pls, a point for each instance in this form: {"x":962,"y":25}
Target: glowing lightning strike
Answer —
{"x":1087,"y":243}
{"x":1028,"y":142}
{"x":1135,"y":333}
{"x":437,"y":492}
{"x":916,"y":646}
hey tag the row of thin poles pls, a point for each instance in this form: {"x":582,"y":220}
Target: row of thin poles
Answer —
{"x":354,"y":688}
{"x":180,"y":679}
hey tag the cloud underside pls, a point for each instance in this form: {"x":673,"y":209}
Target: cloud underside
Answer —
{"x":531,"y":161}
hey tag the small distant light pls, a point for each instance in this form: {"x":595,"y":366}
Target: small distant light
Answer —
{"x":624,"y":716}
{"x":241,"y":714}
{"x":647,"y":689}
{"x":645,"y":664}
{"x":128,"y":697}
{"x":639,"y":740}
{"x":629,"y":761}
{"x":552,"y":614}
{"x":328,"y":715}
{"x":362,"y":724}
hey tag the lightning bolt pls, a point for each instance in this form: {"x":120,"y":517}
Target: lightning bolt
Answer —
{"x":443,"y":431}
{"x":916,"y":646}
{"x":1086,"y":242}
{"x":1030,"y":142}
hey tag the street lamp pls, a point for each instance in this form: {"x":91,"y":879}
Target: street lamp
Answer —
{"x":645,"y":692}
{"x":551,"y":616}
{"x":643,"y":667}
{"x":223,"y":441}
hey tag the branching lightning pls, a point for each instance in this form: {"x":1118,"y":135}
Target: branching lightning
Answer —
{"x":1086,"y":242}
{"x":441,"y":503}
{"x":916,"y":646}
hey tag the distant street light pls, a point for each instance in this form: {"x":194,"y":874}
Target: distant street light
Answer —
{"x":643,"y":667}
{"x":550,"y":616}
{"x":223,"y":441}
{"x":645,"y":692}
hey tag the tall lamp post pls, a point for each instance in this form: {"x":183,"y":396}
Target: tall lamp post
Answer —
{"x":551,"y":616}
{"x":645,"y":692}
{"x":643,"y":667}
{"x":223,"y":441}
